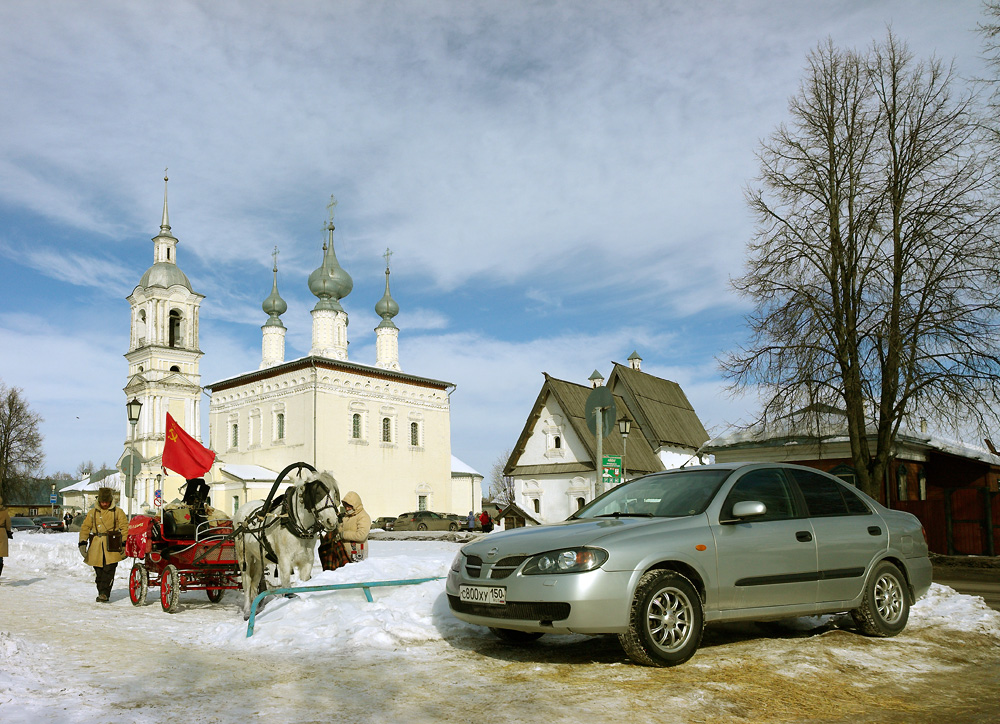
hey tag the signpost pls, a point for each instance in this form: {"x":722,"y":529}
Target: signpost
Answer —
{"x":611,"y":471}
{"x":600,"y":413}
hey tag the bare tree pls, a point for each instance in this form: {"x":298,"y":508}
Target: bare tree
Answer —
{"x":21,"y":454}
{"x":501,"y":484}
{"x":875,"y":265}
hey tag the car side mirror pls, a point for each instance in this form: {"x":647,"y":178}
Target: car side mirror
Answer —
{"x":746,"y":509}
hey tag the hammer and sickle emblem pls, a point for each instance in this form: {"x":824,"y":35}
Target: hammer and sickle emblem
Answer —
{"x":172,"y":435}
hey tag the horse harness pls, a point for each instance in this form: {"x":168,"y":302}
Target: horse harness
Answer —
{"x":315,"y":497}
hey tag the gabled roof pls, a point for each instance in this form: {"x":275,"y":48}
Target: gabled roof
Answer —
{"x":517,"y":511}
{"x":660,"y":407}
{"x":572,"y":399}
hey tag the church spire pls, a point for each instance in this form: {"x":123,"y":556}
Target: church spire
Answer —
{"x":387,"y":333}
{"x":273,"y":341}
{"x":165,"y":221}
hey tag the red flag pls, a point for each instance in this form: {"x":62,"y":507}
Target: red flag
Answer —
{"x":183,"y":454}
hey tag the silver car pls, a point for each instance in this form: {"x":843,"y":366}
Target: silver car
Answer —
{"x":657,"y":558}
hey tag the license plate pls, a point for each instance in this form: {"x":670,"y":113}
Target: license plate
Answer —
{"x":489,"y":595}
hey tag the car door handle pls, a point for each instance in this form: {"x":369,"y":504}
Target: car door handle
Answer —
{"x":874,"y":530}
{"x":803,"y":536}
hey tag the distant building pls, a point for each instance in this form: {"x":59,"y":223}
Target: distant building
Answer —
{"x":382,"y":432}
{"x":553,"y":461}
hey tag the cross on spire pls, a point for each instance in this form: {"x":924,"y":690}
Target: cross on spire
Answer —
{"x":387,"y":255}
{"x":274,"y":254}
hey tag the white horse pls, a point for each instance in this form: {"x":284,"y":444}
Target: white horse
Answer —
{"x":286,"y":534}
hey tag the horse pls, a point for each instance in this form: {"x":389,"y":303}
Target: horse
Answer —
{"x":286,"y":532}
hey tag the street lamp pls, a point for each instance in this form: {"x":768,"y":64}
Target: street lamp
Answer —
{"x":132,"y":409}
{"x":624,"y":427}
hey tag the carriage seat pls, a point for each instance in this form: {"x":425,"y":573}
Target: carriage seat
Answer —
{"x":179,"y":522}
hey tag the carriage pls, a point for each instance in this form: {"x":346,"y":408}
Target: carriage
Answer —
{"x":182,"y":549}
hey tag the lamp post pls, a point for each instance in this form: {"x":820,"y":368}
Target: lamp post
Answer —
{"x":624,"y":427}
{"x":132,"y":409}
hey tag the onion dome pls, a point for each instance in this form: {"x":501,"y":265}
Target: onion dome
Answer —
{"x":274,"y":306}
{"x":386,"y":306}
{"x":330,"y":282}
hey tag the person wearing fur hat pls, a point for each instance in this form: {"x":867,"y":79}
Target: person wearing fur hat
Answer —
{"x":99,"y":530}
{"x":5,"y":532}
{"x":347,"y":543}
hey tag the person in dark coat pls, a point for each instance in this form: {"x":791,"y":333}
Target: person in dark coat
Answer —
{"x":67,"y":519}
{"x":97,"y":541}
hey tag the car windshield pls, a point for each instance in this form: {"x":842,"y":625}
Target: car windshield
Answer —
{"x":665,"y":495}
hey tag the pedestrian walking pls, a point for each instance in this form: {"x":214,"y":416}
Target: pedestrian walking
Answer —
{"x":472,"y":521}
{"x":102,"y":538}
{"x":487,"y":522}
{"x":5,"y":532}
{"x":67,"y":519}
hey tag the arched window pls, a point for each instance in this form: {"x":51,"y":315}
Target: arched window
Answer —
{"x":280,"y":420}
{"x":386,"y":429}
{"x":538,"y":505}
{"x":580,"y":502}
{"x":175,"y":328}
{"x":557,"y":443}
{"x":356,"y":426}
{"x":414,"y":434}
{"x":175,"y":368}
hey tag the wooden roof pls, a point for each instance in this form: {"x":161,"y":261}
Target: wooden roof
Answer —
{"x":572,"y":399}
{"x":660,"y":407}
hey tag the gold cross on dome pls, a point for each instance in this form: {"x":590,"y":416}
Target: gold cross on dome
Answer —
{"x":387,"y":255}
{"x":274,"y":255}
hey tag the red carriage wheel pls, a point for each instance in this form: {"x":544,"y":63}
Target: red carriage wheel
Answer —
{"x":138,"y":584}
{"x":215,"y":594}
{"x":170,"y":588}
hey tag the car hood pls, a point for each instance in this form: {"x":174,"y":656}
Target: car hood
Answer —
{"x":568,"y":534}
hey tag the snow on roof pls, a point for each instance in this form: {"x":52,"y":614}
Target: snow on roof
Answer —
{"x":457,"y":466}
{"x":250,"y":472}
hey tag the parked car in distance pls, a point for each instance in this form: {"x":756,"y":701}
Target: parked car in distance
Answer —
{"x":384,"y":522}
{"x":463,"y":521}
{"x":424,"y":520}
{"x":50,"y":523}
{"x":656,"y":558}
{"x":26,"y":524}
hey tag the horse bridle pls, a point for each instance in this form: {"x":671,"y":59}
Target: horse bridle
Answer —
{"x":310,"y":502}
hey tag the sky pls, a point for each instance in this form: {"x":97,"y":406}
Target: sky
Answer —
{"x":560,"y":184}
{"x":404,"y":656}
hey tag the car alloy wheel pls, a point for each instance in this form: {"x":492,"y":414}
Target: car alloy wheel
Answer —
{"x":666,"y":620}
{"x":885,"y":604}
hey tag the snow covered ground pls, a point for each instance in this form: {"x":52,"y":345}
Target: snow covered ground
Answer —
{"x":333,"y":656}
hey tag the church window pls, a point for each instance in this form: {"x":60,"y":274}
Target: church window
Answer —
{"x":414,"y":434}
{"x":421,"y":502}
{"x":235,"y":439}
{"x":580,"y":502}
{"x":175,"y":328}
{"x":175,"y":368}
{"x":537,"y":505}
{"x":280,"y":425}
{"x":356,"y":426}
{"x":557,"y":443}
{"x":386,"y":429}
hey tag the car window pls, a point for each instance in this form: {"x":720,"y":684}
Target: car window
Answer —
{"x":826,"y":497}
{"x":663,"y":495}
{"x":768,"y":486}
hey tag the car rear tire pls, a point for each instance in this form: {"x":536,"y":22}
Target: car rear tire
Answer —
{"x":421,"y":526}
{"x":510,"y":636}
{"x":666,"y":621}
{"x":453,"y":527}
{"x":885,"y":605}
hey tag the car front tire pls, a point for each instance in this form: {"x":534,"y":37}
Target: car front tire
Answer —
{"x":885,"y":605}
{"x":666,"y":621}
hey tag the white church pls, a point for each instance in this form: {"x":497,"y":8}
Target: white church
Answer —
{"x":380,"y":431}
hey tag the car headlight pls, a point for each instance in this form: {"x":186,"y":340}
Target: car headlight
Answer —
{"x":456,"y":565}
{"x":569,"y":560}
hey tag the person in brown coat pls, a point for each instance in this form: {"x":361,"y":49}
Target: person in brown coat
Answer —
{"x":348,"y":543}
{"x":5,"y":532}
{"x":105,"y":549}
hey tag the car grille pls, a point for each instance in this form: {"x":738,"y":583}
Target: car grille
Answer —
{"x":524,"y":611}
{"x":498,"y":570}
